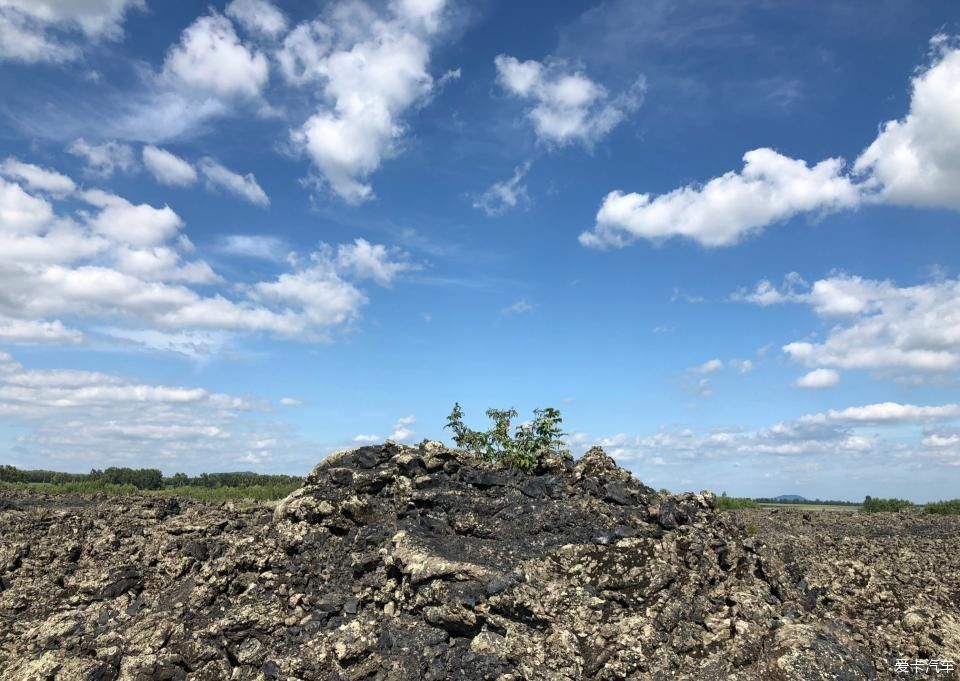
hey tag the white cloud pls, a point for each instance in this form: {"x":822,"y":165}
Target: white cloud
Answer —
{"x":106,"y":158}
{"x":161,"y":263}
{"x":34,"y":332}
{"x":257,"y":16}
{"x":168,"y":168}
{"x":916,"y":160}
{"x":371,"y":68}
{"x":125,"y":266}
{"x":567,"y":106}
{"x":83,"y":417}
{"x":372,"y":261}
{"x":876,"y":324}
{"x":37,"y":178}
{"x":302,"y":58}
{"x":255,"y":246}
{"x":22,"y":39}
{"x":519,"y":307}
{"x":367,"y":438}
{"x":42,"y":30}
{"x":243,"y":186}
{"x":937,"y":440}
{"x":502,"y":196}
{"x":913,"y":161}
{"x":852,"y":433}
{"x":402,"y":430}
{"x":211,"y":59}
{"x":765,"y":293}
{"x":291,"y":402}
{"x":197,"y":345}
{"x":744,"y":366}
{"x":448,"y":77}
{"x":770,"y":188}
{"x":21,"y":212}
{"x":886,"y":413}
{"x":708,"y":367}
{"x":819,"y":378}
{"x":94,"y":17}
{"x":137,"y":225}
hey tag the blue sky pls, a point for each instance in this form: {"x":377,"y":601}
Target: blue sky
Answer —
{"x":721,"y":237}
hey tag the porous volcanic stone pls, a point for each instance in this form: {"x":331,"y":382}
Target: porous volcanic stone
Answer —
{"x":395,"y":563}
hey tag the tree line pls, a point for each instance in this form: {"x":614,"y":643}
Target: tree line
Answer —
{"x":145,"y":478}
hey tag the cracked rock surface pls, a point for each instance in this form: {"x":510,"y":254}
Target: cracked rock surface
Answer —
{"x":396,"y":563}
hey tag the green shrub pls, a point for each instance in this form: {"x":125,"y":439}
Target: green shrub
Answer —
{"x":735,"y":503}
{"x":518,"y":450}
{"x":72,"y":487}
{"x":951,"y":507}
{"x":874,"y":505}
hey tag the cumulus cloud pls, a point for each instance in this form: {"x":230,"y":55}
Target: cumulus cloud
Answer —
{"x":126,"y":265}
{"x":366,"y":439}
{"x":210,"y":58}
{"x":168,"y":168}
{"x":37,"y":332}
{"x":103,"y":419}
{"x":45,"y":30}
{"x":566,"y":106}
{"x":291,"y":402}
{"x":370,"y":67}
{"x":708,"y":367}
{"x":937,"y":440}
{"x":770,"y":188}
{"x":242,"y":186}
{"x":372,"y":261}
{"x":504,"y":195}
{"x":37,"y":178}
{"x":765,"y":293}
{"x":819,"y":378}
{"x":913,"y":161}
{"x":916,"y":160}
{"x":884,"y":432}
{"x":125,"y":222}
{"x":402,"y":430}
{"x":257,"y":16}
{"x":105,"y":158}
{"x":875,"y":324}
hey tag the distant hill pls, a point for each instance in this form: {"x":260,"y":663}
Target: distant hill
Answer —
{"x":789,"y":497}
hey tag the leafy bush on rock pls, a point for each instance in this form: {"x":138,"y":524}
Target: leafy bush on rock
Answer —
{"x":522,"y":448}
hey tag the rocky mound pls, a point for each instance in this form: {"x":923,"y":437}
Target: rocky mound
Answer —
{"x":399,"y":563}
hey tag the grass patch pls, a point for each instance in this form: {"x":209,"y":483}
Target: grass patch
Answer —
{"x":84,"y":488}
{"x":254,"y":492}
{"x":210,"y":494}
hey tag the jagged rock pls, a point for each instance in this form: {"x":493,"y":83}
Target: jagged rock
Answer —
{"x":395,"y":563}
